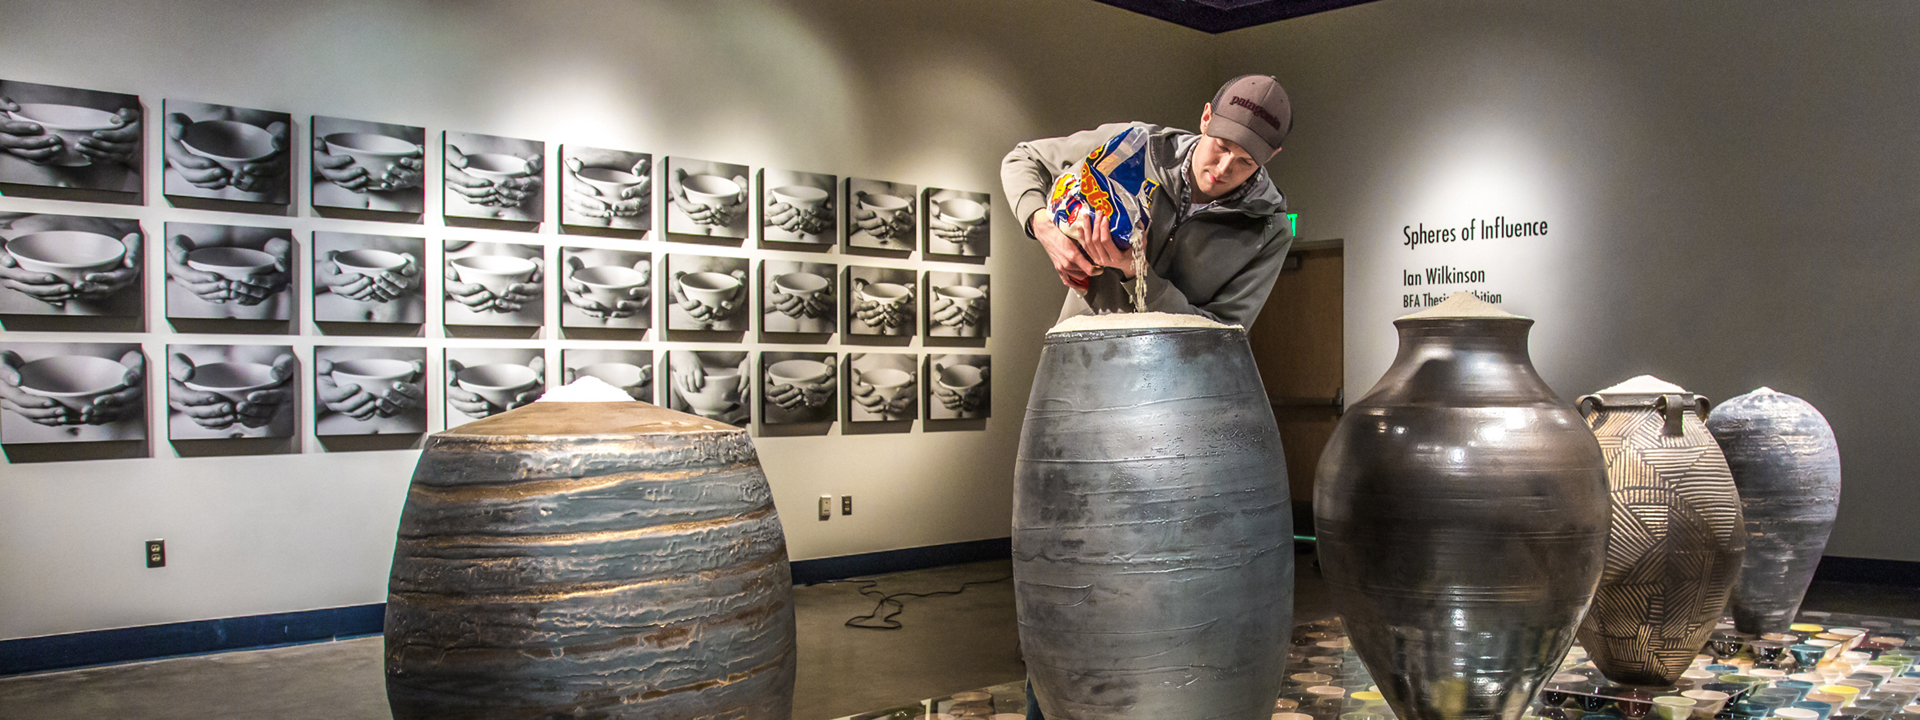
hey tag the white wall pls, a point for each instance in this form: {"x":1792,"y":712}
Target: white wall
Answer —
{"x":924,"y":93}
{"x":1729,"y":188}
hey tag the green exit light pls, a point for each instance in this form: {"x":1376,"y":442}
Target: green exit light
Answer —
{"x":1293,"y":224}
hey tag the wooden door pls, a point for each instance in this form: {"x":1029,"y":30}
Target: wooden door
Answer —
{"x":1297,"y":344}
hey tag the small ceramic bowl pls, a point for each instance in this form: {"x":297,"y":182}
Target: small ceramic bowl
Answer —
{"x":71,"y":255}
{"x":72,"y":380}
{"x":232,"y":380}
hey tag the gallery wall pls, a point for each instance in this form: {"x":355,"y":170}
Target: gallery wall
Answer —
{"x":931,"y":94}
{"x":1727,"y":190}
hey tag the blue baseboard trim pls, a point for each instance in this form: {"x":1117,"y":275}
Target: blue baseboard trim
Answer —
{"x":151,"y":642}
{"x":808,"y":572}
{"x":1868,"y":571}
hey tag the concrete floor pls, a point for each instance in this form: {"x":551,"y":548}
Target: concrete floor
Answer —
{"x":948,"y":644}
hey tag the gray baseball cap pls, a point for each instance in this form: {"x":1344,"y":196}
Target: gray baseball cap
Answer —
{"x":1252,"y":111}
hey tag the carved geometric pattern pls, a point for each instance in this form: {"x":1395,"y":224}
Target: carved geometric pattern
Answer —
{"x":1674,"y":549}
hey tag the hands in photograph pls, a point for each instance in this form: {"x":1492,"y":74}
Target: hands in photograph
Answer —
{"x":719,"y":215}
{"x":356,"y":402}
{"x":584,"y":199}
{"x":515,"y":189}
{"x":473,"y":295}
{"x":45,"y":287}
{"x":258,"y":287}
{"x":38,"y":410}
{"x":477,"y":190}
{"x":214,"y":411}
{"x":124,"y":401}
{"x":958,"y":233}
{"x":953,"y":313}
{"x":203,"y":173}
{"x":796,"y":220}
{"x":869,"y":399}
{"x":963,"y":401}
{"x":343,"y":171}
{"x":381,"y":287}
{"x":119,"y":144}
{"x":709,"y":314}
{"x":811,"y":306}
{"x":637,"y":301}
{"x":474,"y":405}
{"x":28,"y":140}
{"x":101,"y":285}
{"x":899,"y":227}
{"x":258,"y":176}
{"x":801,"y":396}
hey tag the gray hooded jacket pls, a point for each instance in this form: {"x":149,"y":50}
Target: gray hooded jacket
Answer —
{"x":1220,"y":261}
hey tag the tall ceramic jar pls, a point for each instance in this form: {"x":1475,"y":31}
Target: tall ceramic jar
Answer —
{"x":1674,"y":549}
{"x":603,"y":560}
{"x":1461,"y":512}
{"x":1787,"y":464}
{"x":1152,"y":536}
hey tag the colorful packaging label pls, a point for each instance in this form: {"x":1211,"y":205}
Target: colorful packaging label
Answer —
{"x":1111,"y":182}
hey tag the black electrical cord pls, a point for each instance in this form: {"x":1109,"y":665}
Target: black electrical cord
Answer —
{"x":871,"y":588}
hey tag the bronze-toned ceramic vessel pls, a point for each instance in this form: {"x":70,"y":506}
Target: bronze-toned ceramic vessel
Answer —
{"x":1461,"y":511}
{"x":590,"y":560}
{"x":1787,"y":465}
{"x":1674,"y":549}
{"x":1152,"y":534}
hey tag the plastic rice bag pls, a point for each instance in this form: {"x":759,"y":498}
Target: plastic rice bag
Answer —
{"x":1111,"y":182}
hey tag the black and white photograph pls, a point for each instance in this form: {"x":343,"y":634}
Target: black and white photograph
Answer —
{"x":611,"y":289}
{"x":958,"y":223}
{"x":882,"y":387}
{"x":495,"y":178}
{"x":361,"y":278}
{"x":364,"y":390}
{"x":880,"y":301}
{"x":880,"y":215}
{"x":72,"y":392}
{"x":629,"y":370}
{"x":707,"y":293}
{"x":601,"y":188}
{"x":66,"y":137}
{"x":798,"y":297}
{"x":959,"y":387}
{"x":486,"y":381}
{"x":71,"y":265}
{"x":494,"y":284}
{"x":707,"y":198}
{"x":363,"y":165}
{"x":799,"y":210}
{"x":224,"y":152}
{"x":957,"y":304}
{"x":232,"y":391}
{"x":716,"y":385}
{"x":231,"y":272}
{"x":799,"y":387}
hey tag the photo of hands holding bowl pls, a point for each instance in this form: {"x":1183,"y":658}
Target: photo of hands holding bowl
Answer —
{"x":798,"y":207}
{"x":369,"y":390}
{"x":629,"y":370}
{"x":484,"y":382}
{"x":606,"y":288}
{"x":493,"y":177}
{"x":881,"y":387}
{"x":226,"y":153}
{"x":494,"y":284}
{"x":606,"y":188}
{"x":70,"y":265}
{"x":72,"y":392}
{"x":229,"y":271}
{"x":799,"y":387}
{"x":231,"y":391}
{"x":797,"y":297}
{"x":957,"y":304}
{"x":958,"y":222}
{"x":362,"y":165}
{"x":882,"y":215}
{"x":708,"y":198}
{"x":714,"y":385}
{"x":959,"y":387}
{"x":707,"y":293}
{"x":882,"y":302}
{"x":368,"y":278}
{"x":55,"y":136}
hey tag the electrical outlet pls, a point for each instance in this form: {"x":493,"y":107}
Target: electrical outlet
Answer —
{"x":156,"y":553}
{"x":846,"y":504}
{"x":826,"y":507}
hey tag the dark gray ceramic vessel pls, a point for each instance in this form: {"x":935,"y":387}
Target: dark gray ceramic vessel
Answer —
{"x":590,"y":560}
{"x":1152,"y":535}
{"x":1787,"y":465}
{"x":1461,"y":510}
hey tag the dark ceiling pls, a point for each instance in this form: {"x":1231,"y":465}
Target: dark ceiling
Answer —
{"x":1218,"y":16}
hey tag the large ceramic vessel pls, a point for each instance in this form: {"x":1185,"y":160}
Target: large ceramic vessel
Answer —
{"x":602,"y":560}
{"x":1461,"y":510}
{"x":1674,"y":549}
{"x":1787,"y":465}
{"x":1152,"y":537}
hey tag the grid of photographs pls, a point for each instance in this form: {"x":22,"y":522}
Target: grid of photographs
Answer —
{"x":835,"y":341}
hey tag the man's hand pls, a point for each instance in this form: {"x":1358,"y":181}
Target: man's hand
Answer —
{"x":1099,"y":243}
{"x":1073,"y":266}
